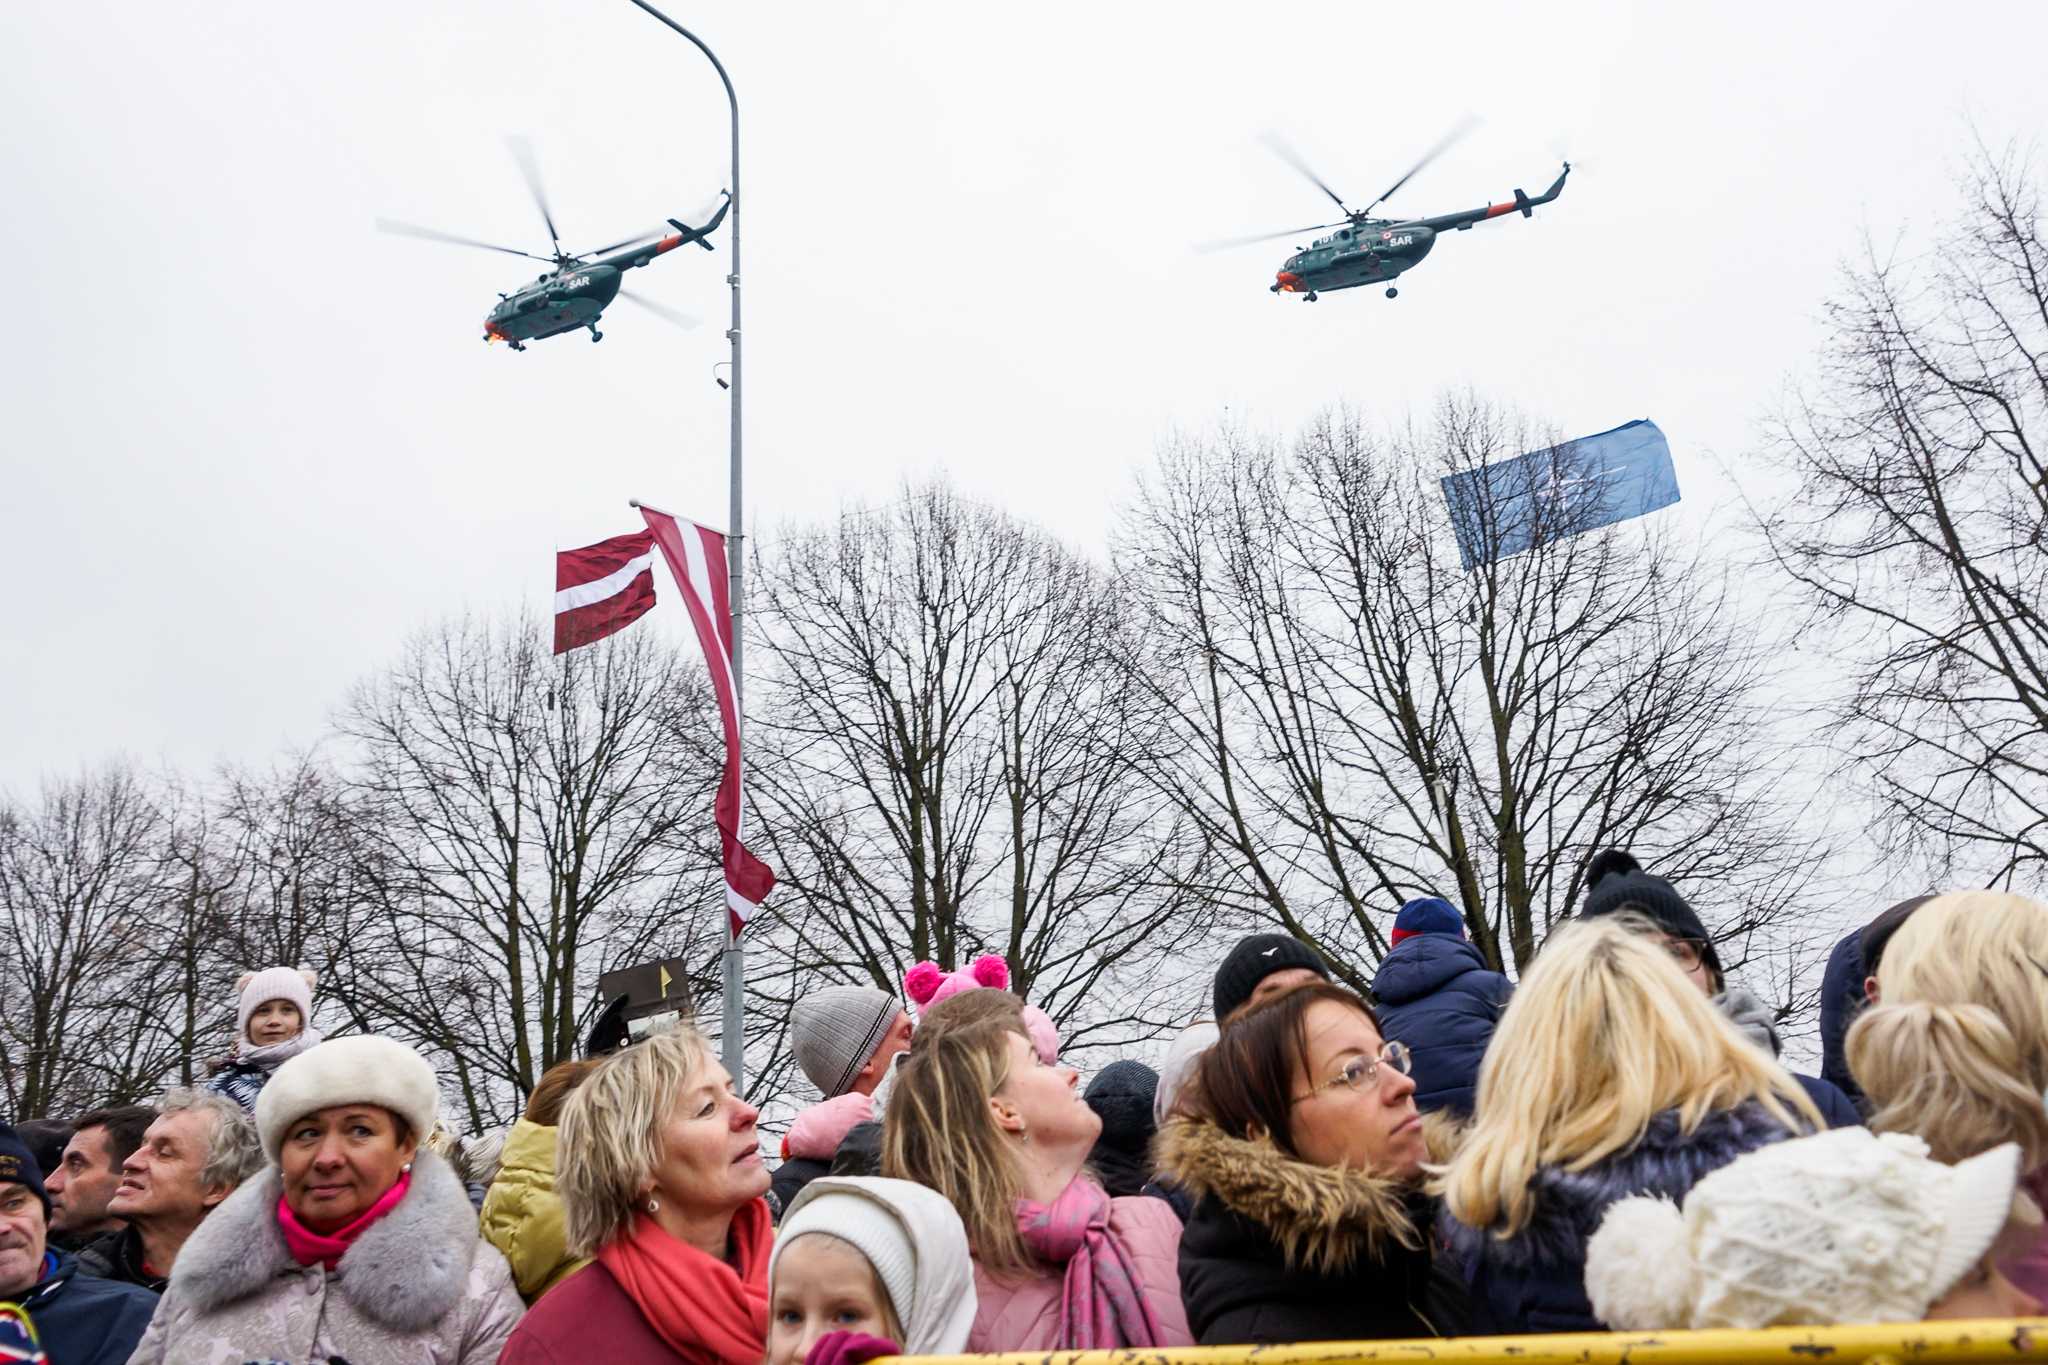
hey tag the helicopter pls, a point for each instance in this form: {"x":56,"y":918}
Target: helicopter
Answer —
{"x":579,"y":288}
{"x":1369,"y":250}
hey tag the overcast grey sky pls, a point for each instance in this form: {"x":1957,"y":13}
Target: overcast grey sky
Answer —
{"x":250,"y":444}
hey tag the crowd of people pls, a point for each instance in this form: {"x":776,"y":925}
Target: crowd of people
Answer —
{"x":1610,"y":1143}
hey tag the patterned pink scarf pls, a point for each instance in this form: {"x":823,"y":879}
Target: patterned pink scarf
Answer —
{"x":1102,"y":1304}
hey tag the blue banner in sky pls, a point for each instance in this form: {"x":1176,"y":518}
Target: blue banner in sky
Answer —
{"x":1502,"y":509}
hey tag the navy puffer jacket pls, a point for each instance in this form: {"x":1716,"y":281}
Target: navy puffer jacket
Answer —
{"x":1437,"y":995}
{"x":1534,"y":1280}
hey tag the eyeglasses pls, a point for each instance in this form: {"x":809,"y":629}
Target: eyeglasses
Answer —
{"x":1685,"y":952}
{"x":1360,"y":1072}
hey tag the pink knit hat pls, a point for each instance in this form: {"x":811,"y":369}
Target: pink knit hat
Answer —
{"x":294,"y":984}
{"x":927,"y":984}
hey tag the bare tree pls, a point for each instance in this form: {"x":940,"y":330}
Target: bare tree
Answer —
{"x":949,"y":759}
{"x":1365,"y":719}
{"x":81,"y":882}
{"x":521,"y":822}
{"x":1916,"y":528}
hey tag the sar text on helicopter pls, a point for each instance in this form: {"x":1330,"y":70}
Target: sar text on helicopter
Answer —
{"x":575,"y":293}
{"x":1369,"y":250}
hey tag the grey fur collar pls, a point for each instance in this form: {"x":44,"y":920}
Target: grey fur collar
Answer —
{"x":404,"y":1273}
{"x":1320,"y":1216}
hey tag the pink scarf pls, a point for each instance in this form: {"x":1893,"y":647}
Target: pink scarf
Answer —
{"x":1102,"y":1305}
{"x":705,"y":1309}
{"x":308,"y":1246}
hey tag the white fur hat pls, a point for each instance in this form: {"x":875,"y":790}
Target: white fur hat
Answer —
{"x":359,"y":1069}
{"x":273,"y":983}
{"x":1845,"y":1226}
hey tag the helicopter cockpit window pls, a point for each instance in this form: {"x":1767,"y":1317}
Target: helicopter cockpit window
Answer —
{"x":1344,"y":235}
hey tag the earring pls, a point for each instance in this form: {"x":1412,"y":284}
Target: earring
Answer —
{"x":653,"y":1205}
{"x":406,"y":1169}
{"x":1023,"y":1135}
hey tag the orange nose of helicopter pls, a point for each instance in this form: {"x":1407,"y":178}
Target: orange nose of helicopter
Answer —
{"x":1290,"y":283}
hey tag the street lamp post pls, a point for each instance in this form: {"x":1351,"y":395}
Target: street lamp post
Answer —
{"x":735,"y":956}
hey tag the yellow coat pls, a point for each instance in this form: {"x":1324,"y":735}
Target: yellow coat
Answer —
{"x":522,"y":1216}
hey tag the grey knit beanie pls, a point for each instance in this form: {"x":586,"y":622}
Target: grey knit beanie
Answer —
{"x":833,"y":1032}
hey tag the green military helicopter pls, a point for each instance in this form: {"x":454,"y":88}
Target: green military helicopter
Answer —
{"x":1369,"y":250}
{"x":579,"y":288}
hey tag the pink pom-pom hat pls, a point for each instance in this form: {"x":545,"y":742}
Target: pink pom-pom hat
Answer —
{"x":927,"y":984}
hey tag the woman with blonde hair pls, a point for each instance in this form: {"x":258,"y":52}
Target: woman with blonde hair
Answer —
{"x":659,"y":1171}
{"x":1956,"y":1049}
{"x":1607,"y":1077}
{"x":977,"y":1115}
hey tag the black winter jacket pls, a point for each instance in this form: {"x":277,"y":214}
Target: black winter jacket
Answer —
{"x":1534,"y":1280}
{"x":1437,"y":995}
{"x":1278,"y":1250}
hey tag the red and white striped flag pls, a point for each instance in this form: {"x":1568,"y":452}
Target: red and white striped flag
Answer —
{"x":696,"y":557}
{"x":602,"y":588}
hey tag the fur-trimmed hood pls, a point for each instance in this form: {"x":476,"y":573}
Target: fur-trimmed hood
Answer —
{"x":404,"y":1273}
{"x":1320,"y":1217}
{"x":1570,"y":1204}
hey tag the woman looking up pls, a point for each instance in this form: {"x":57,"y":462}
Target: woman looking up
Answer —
{"x":1608,"y":1076}
{"x":659,"y":1171}
{"x":273,"y":1024}
{"x":1058,"y":1263}
{"x":356,"y":1243}
{"x":1300,"y":1139}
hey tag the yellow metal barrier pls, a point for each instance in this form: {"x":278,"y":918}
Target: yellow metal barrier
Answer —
{"x":1898,"y":1343}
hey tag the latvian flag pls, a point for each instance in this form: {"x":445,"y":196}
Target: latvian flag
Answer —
{"x":602,"y":588}
{"x":605,"y":587}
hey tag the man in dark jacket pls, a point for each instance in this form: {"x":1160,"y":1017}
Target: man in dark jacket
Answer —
{"x":80,"y":1320}
{"x":1847,"y":986}
{"x":84,"y":1182}
{"x":1437,"y":995}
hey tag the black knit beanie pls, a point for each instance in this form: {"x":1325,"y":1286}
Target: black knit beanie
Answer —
{"x":1616,"y":882}
{"x":1257,"y":958}
{"x":1122,"y":1094}
{"x":18,"y":1166}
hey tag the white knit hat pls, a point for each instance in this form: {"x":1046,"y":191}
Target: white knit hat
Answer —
{"x":914,"y":1239}
{"x":273,"y":983}
{"x":1845,"y":1226}
{"x":359,"y":1069}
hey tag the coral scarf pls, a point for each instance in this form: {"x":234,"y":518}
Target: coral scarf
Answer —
{"x":705,"y":1309}
{"x":308,"y":1246}
{"x":1102,"y":1304}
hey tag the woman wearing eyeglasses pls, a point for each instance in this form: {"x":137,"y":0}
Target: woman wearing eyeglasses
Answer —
{"x":1610,"y":1075}
{"x":1300,"y":1138}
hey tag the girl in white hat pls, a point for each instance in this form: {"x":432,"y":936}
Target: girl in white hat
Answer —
{"x":273,"y":1024}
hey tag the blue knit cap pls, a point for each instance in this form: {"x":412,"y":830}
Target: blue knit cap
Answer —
{"x":1429,"y":915}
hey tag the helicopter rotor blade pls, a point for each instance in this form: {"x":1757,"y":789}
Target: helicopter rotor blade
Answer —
{"x":1465,"y":125}
{"x":432,"y":235}
{"x":522,"y":152}
{"x":1204,"y":248}
{"x":663,"y":311}
{"x":1279,"y":147}
{"x":652,"y":234}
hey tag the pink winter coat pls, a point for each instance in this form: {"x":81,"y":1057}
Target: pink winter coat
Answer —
{"x":1026,"y":1316}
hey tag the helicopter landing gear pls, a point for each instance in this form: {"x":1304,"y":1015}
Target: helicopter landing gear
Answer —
{"x":1391,"y":291}
{"x":596,"y":335}
{"x":1311,"y":296}
{"x":517,"y":345}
